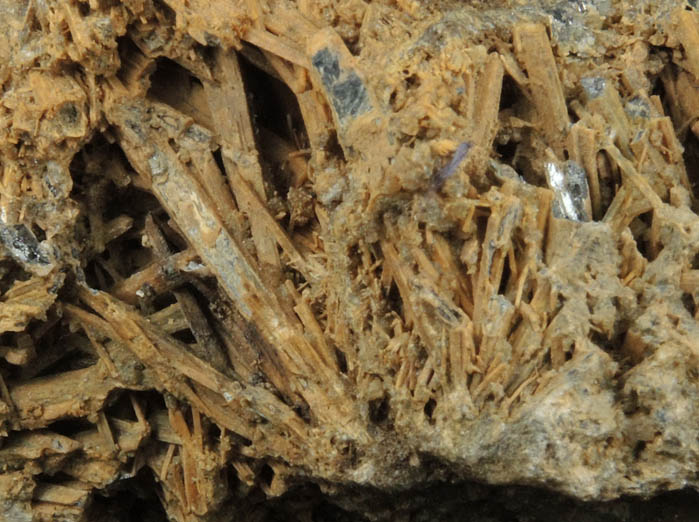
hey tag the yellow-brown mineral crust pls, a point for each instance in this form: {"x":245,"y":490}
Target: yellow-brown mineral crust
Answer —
{"x":370,"y":246}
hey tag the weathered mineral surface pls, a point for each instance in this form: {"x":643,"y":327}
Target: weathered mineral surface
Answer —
{"x":249,"y":246}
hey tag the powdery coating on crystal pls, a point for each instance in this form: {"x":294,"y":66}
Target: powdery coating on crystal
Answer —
{"x":354,"y":246}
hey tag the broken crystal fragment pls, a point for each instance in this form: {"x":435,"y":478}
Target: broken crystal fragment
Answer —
{"x":569,"y":183}
{"x":22,"y":245}
{"x":593,"y":87}
{"x":348,"y":94}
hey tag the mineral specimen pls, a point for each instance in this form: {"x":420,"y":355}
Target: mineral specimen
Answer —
{"x":370,"y":246}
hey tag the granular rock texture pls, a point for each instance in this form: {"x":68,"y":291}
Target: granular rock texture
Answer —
{"x":253,"y":246}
